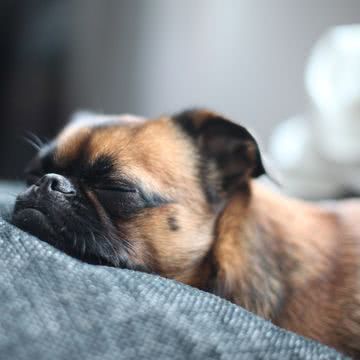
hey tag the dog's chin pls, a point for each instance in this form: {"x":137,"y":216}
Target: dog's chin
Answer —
{"x":34,"y":222}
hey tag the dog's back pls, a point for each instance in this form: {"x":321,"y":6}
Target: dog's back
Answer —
{"x":324,"y":241}
{"x":348,"y":214}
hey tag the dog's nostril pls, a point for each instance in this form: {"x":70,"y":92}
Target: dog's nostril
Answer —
{"x":54,"y":184}
{"x":57,"y":183}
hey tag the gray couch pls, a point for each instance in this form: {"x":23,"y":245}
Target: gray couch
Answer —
{"x":55,"y":307}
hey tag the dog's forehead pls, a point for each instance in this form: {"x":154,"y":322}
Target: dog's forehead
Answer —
{"x":119,"y":135}
{"x":82,"y":124}
{"x":138,"y":147}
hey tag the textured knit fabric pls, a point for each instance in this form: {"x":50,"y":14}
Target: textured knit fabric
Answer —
{"x":55,"y":307}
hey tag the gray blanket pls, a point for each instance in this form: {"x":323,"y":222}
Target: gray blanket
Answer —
{"x":55,"y":307}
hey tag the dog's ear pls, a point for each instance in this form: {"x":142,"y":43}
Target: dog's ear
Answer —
{"x":229,"y":146}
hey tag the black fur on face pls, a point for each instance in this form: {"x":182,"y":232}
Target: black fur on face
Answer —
{"x":70,"y":223}
{"x":82,"y":223}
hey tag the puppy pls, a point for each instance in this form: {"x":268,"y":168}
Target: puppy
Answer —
{"x":176,"y":196}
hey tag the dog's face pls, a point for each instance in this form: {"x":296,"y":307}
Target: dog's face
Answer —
{"x":140,"y":194}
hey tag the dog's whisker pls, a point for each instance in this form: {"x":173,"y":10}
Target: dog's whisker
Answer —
{"x":92,"y":237}
{"x":36,"y":139}
{"x":36,"y":146}
{"x":83,"y":247}
{"x":75,"y":240}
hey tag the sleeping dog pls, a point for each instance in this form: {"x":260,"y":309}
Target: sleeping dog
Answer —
{"x":177,"y":196}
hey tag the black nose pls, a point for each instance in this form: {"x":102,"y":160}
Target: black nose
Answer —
{"x":56,"y":183}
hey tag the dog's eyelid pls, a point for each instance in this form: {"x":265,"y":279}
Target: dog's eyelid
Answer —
{"x":115,"y":185}
{"x":115,"y":188}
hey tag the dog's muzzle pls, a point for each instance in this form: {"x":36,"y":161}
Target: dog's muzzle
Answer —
{"x":40,"y":209}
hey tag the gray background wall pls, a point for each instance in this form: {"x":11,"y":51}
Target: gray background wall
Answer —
{"x":245,"y":58}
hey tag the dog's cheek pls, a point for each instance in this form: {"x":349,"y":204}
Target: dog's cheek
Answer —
{"x":136,"y":236}
{"x":172,"y":238}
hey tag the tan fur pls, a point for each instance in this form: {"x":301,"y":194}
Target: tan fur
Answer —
{"x":313,"y":255}
{"x":294,"y":263}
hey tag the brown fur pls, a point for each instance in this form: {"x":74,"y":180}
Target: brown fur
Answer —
{"x":294,"y":263}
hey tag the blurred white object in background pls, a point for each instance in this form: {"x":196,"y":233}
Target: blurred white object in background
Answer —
{"x":332,"y":80}
{"x":319,"y":153}
{"x":304,"y":172}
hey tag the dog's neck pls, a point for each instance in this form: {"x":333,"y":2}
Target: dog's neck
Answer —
{"x":265,"y":249}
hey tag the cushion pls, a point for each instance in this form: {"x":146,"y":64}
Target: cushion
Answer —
{"x":56,"y":307}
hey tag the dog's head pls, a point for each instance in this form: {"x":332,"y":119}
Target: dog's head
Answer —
{"x":142,"y":194}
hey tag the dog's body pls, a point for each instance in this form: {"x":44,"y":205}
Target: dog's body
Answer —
{"x":176,"y":196}
{"x":296,"y":264}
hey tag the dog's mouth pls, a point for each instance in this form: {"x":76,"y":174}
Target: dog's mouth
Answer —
{"x":34,"y":221}
{"x":37,"y":222}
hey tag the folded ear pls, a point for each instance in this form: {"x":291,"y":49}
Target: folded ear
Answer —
{"x":229,"y":146}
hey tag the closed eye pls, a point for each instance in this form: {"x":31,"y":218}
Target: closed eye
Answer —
{"x":120,"y":201}
{"x":123,"y":199}
{"x":116,"y":188}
